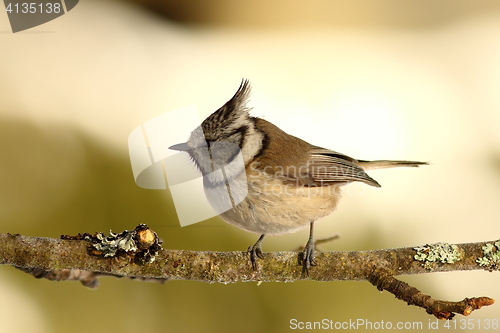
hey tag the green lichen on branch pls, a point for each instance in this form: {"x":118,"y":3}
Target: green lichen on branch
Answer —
{"x":443,"y":253}
{"x":142,"y":243}
{"x":491,"y":256}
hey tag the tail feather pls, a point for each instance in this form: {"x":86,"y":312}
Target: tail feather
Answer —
{"x":384,"y":164}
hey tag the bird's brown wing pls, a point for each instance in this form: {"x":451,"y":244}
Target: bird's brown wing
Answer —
{"x":327,"y":167}
{"x":305,"y":165}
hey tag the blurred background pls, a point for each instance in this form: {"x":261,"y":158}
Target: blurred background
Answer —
{"x":417,"y":80}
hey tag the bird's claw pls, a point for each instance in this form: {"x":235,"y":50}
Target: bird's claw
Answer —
{"x":255,"y":251}
{"x":306,"y":258}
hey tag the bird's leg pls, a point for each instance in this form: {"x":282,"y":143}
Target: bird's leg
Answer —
{"x":255,"y":252}
{"x":307,"y":256}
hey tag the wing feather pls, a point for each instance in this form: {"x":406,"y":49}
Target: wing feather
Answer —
{"x":327,"y":166}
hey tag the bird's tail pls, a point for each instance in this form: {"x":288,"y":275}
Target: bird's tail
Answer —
{"x":384,"y":164}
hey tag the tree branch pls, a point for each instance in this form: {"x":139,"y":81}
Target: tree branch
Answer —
{"x":138,"y":254}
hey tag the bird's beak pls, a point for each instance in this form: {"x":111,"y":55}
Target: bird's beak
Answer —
{"x":180,"y":147}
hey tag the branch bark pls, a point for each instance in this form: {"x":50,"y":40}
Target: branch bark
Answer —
{"x":68,"y":259}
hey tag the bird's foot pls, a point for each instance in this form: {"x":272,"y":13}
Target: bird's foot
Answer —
{"x":306,"y":258}
{"x":317,"y":242}
{"x":255,"y":251}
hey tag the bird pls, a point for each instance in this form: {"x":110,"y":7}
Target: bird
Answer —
{"x":265,"y":181}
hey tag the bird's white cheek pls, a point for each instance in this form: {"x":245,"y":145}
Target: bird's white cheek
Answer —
{"x":252,"y":145}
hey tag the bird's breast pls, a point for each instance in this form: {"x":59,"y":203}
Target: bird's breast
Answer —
{"x":274,"y":205}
